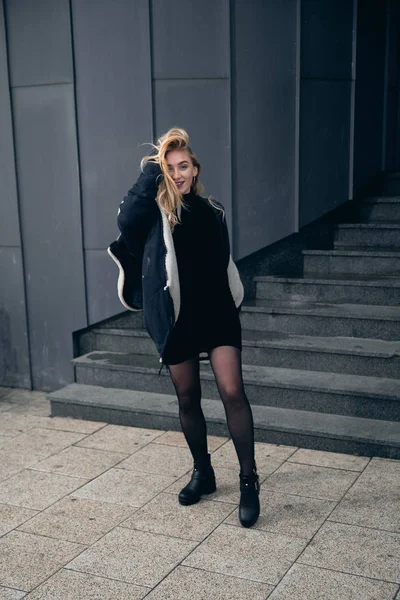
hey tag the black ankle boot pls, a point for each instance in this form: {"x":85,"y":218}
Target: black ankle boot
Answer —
{"x":201,"y":482}
{"x":249,"y":507}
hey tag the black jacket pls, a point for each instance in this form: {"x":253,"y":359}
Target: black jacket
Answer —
{"x":145,"y":254}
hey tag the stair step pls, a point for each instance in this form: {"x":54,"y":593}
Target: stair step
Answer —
{"x":309,"y":318}
{"x":354,"y":395}
{"x":391,"y":184}
{"x":332,"y":433}
{"x":136,"y":341}
{"x":352,"y":261}
{"x":368,"y":234}
{"x":332,"y":288}
{"x":355,"y":356}
{"x":381,"y":208}
{"x":382,"y":200}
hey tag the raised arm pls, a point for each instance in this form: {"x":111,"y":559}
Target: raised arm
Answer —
{"x":138,"y":209}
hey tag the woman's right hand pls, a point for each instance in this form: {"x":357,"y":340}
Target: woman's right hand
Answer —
{"x":151,"y":168}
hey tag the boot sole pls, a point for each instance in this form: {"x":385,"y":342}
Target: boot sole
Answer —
{"x":190,"y":502}
{"x":249,"y":524}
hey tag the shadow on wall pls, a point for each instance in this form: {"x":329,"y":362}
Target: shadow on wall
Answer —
{"x":8,"y":355}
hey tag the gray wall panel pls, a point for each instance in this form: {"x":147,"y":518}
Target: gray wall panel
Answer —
{"x":325,"y":106}
{"x":202,"y":108}
{"x":101,"y":280}
{"x":392,"y":133}
{"x":14,"y":352}
{"x":39,"y":41}
{"x":51,"y":227}
{"x":369,"y":91}
{"x":391,"y":147}
{"x":264,"y":122}
{"x":326,"y":39}
{"x":190,"y":38}
{"x":324,"y":147}
{"x":9,"y":225}
{"x":114,"y":106}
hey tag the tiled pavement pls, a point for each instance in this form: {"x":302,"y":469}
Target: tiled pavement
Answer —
{"x":89,"y":511}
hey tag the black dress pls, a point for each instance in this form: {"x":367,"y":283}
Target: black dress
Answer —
{"x":208,"y":316}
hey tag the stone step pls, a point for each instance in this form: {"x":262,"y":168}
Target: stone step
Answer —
{"x":308,"y":318}
{"x":354,"y":261}
{"x":391,"y":183}
{"x":335,"y":288}
{"x":355,"y":356}
{"x":367,"y":234}
{"x":380,"y":208}
{"x":318,"y":431}
{"x":352,"y":395}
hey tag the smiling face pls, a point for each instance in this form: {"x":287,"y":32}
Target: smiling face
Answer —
{"x":181,"y":169}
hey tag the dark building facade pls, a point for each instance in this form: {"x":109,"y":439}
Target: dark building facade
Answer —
{"x":292,"y":107}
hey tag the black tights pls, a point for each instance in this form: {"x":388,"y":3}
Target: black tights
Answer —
{"x":227,"y":367}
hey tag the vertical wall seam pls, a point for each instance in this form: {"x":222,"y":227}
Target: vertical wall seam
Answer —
{"x":24,"y":278}
{"x":297,"y":121}
{"x":85,"y":284}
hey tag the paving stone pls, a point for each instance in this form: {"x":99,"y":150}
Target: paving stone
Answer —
{"x":118,"y":438}
{"x":72,"y":585}
{"x":159,"y":459}
{"x":184,"y":582}
{"x":77,"y":520}
{"x":38,"y":408}
{"x":12,"y":425}
{"x":120,"y":486}
{"x":22,"y":396}
{"x":9,"y":594}
{"x":14,"y":462}
{"x":68,"y":424}
{"x":12,"y":516}
{"x":5,"y":406}
{"x":312,"y":583}
{"x":356,"y":550}
{"x":374,"y":499}
{"x":41,"y":441}
{"x":36,"y":489}
{"x":133,"y":556}
{"x":80,"y":462}
{"x":336,"y":460}
{"x":27,"y":559}
{"x":242,"y":552}
{"x":268,"y":456}
{"x":165,"y":515}
{"x":176,"y":438}
{"x":310,"y":481}
{"x":289,"y":514}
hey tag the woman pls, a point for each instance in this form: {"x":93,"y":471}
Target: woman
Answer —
{"x":175,"y":263}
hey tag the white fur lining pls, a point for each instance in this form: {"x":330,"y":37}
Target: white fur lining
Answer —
{"x":171,"y":266}
{"x":235,"y":283}
{"x":121,"y":282}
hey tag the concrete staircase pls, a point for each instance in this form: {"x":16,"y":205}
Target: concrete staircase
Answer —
{"x":321,"y":353}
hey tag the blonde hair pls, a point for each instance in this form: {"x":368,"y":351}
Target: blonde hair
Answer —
{"x":169,"y":198}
